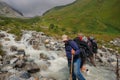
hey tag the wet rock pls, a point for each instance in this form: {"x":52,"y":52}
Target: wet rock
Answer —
{"x":13,"y":77}
{"x":46,"y":41}
{"x":1,"y":64}
{"x":104,"y":49}
{"x":14,"y":60}
{"x":0,"y":57}
{"x":21,"y":52}
{"x":13,"y":71}
{"x":112,"y":59}
{"x":114,"y":64}
{"x":36,"y":47}
{"x":6,"y":68}
{"x":4,"y":76}
{"x":13,"y":48}
{"x":43,"y":56}
{"x":2,"y":35}
{"x":47,"y":45}
{"x":44,"y":65}
{"x":116,"y":42}
{"x":19,"y":64}
{"x":32,"y":67}
{"x":7,"y":39}
{"x":25,"y":75}
{"x":34,"y":42}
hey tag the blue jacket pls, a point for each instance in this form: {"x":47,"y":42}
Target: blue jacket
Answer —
{"x":69,"y":45}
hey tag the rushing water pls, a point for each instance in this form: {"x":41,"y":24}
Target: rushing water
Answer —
{"x":31,"y":8}
{"x":58,"y":68}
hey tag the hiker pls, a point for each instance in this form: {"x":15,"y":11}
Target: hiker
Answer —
{"x":83,"y":46}
{"x":90,"y":46}
{"x":94,"y":46}
{"x":72,"y":50}
{"x":86,"y":52}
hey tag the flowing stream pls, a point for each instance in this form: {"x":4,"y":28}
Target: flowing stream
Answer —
{"x":58,"y":64}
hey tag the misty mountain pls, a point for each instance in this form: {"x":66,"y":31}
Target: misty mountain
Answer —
{"x":8,"y":11}
{"x":31,"y":8}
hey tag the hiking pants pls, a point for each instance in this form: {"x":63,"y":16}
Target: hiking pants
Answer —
{"x":76,"y":69}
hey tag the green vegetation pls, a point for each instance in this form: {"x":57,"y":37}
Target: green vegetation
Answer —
{"x":15,"y":25}
{"x":87,"y":16}
{"x":99,"y":18}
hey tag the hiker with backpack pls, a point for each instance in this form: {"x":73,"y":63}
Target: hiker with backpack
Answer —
{"x":86,"y":52}
{"x":94,"y":46}
{"x":74,"y":62}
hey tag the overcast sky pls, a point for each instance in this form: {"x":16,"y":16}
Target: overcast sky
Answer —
{"x":31,"y":8}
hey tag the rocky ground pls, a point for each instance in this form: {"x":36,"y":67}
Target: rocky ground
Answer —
{"x":40,"y":57}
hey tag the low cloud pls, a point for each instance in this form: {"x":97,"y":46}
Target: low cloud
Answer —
{"x":31,"y":8}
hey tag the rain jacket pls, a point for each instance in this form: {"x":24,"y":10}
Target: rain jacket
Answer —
{"x":69,"y":45}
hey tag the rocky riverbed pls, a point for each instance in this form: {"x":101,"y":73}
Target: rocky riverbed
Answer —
{"x":37,"y":56}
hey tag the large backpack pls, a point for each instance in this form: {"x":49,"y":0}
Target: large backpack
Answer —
{"x":94,"y":45}
{"x":84,"y":48}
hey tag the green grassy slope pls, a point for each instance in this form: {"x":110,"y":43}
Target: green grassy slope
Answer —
{"x":97,"y":17}
{"x":87,"y":16}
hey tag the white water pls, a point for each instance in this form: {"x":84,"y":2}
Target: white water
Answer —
{"x":31,"y":8}
{"x":58,"y":65}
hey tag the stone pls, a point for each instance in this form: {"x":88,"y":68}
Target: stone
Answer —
{"x":114,"y":64}
{"x":32,"y":67}
{"x":6,"y":68}
{"x":13,"y":77}
{"x":43,"y":56}
{"x":21,"y":52}
{"x":19,"y":64}
{"x":7,"y":39}
{"x":14,"y":60}
{"x":13,"y":48}
{"x":0,"y":57}
{"x":2,"y":35}
{"x":25,"y":75}
{"x":4,"y":76}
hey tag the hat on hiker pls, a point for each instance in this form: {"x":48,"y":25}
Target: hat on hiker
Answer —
{"x":64,"y":37}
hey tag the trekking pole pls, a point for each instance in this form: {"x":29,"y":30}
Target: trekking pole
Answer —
{"x":71,"y":67}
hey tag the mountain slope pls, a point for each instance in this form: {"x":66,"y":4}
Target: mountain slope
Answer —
{"x":6,"y":10}
{"x":88,"y":16}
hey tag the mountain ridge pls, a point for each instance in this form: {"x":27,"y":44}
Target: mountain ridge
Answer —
{"x":7,"y":11}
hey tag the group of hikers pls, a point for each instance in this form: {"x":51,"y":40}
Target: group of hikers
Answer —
{"x":78,"y":51}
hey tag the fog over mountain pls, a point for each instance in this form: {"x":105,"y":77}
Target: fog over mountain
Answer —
{"x":8,"y":11}
{"x":31,"y":8}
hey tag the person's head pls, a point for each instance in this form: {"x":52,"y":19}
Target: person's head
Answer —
{"x":64,"y":38}
{"x":80,"y":35}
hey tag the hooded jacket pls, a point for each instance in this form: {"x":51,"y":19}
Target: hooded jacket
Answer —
{"x":69,"y":45}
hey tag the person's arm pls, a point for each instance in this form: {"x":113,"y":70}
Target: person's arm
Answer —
{"x":75,"y":47}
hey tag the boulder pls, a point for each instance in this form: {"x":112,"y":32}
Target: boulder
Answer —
{"x":0,"y":57}
{"x":7,"y":39}
{"x":21,"y":52}
{"x":13,"y":77}
{"x":32,"y":67}
{"x":6,"y":68}
{"x":25,"y":75}
{"x":19,"y":64}
{"x":13,"y":48}
{"x":2,"y":35}
{"x":4,"y":76}
{"x":43,"y":56}
{"x":14,"y":60}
